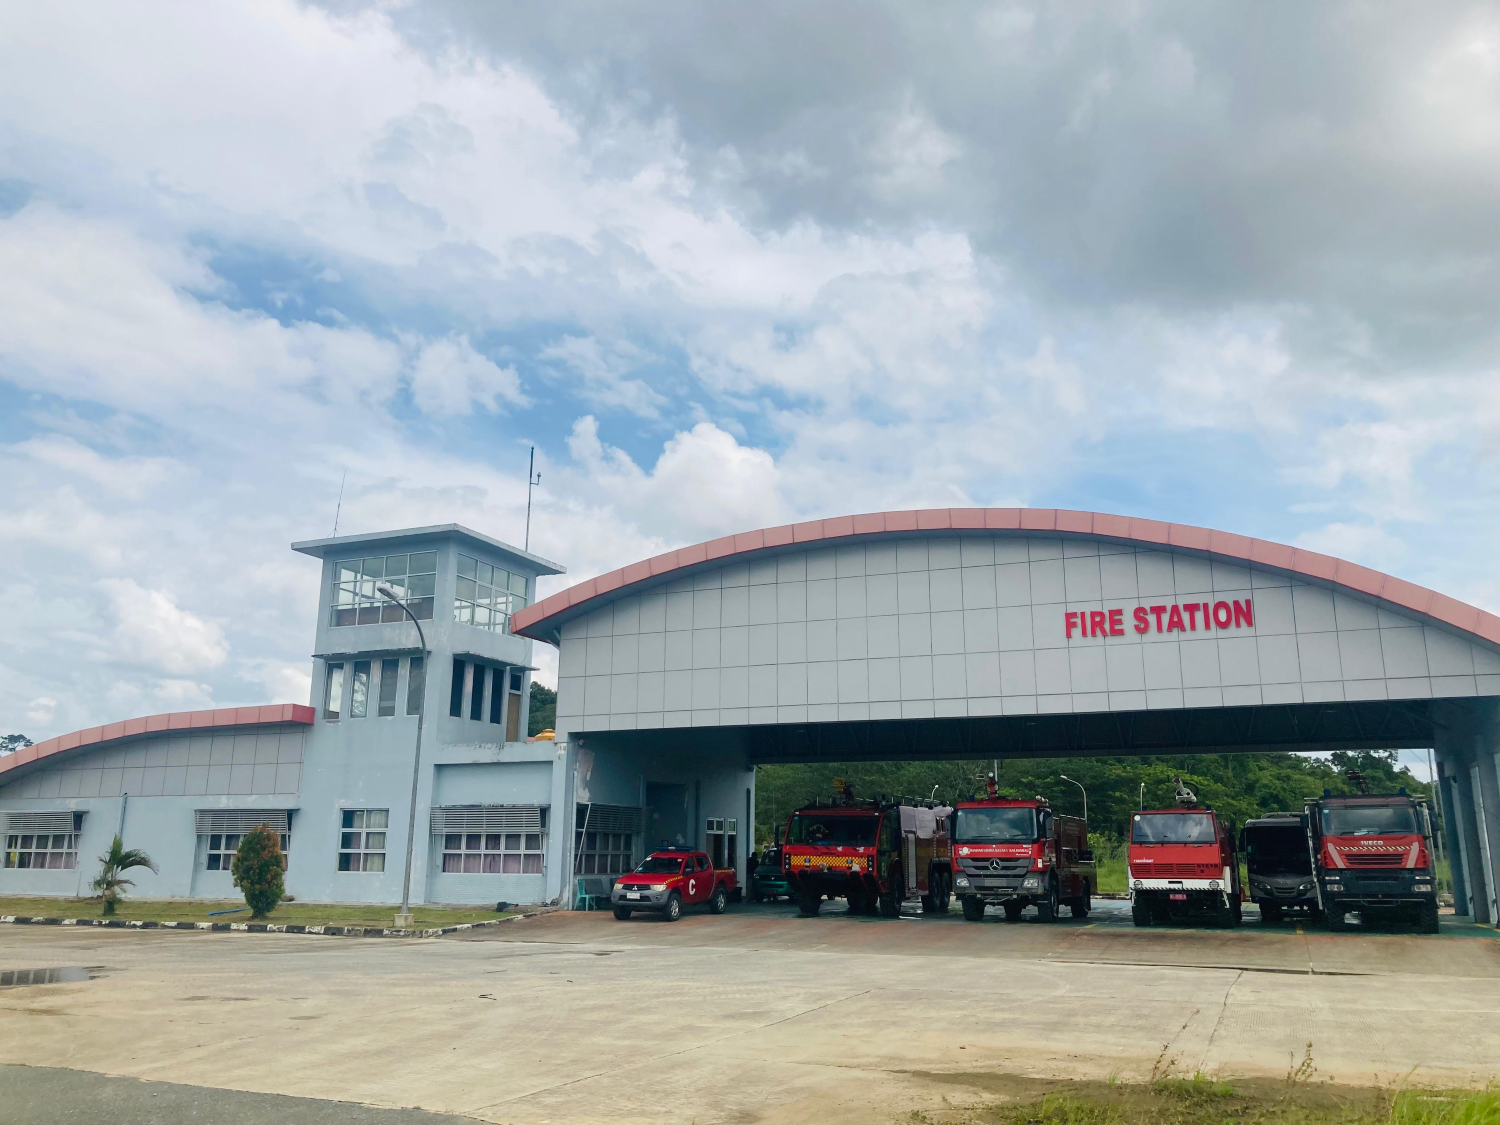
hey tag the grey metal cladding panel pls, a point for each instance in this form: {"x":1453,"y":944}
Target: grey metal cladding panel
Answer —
{"x":1018,"y":673}
{"x":981,"y":630}
{"x":911,"y":554}
{"x":1359,"y":654}
{"x":1154,"y":573}
{"x":263,"y":778}
{"x":974,"y":551}
{"x":1200,"y":663}
{"x":678,"y":692}
{"x":880,"y":594}
{"x":850,"y":594}
{"x":267,"y":747}
{"x":1318,"y":655}
{"x":762,"y":644}
{"x":978,"y":587}
{"x":734,"y":687}
{"x":944,"y":553}
{"x":654,"y":612}
{"x":1087,"y":667}
{"x":763,"y":572}
{"x":1192,"y":575}
{"x":791,"y":642}
{"x":1239,"y":661}
{"x":1447,"y":655}
{"x":1117,"y":578}
{"x":1046,"y":627}
{"x":949,"y":677}
{"x":1012,"y":551}
{"x":982,"y":674}
{"x":1228,"y":577}
{"x":600,"y":652}
{"x":1040,"y":547}
{"x":915,"y":630}
{"x":1314,"y":609}
{"x":1047,"y":585}
{"x":880,"y":558}
{"x":707,"y":609}
{"x":853,"y":639}
{"x":946,"y":590}
{"x":705,"y":689}
{"x":885,"y":680}
{"x":596,"y":691}
{"x":734,"y":609}
{"x":627,"y":619}
{"x":569,"y":696}
{"x":791,"y":601}
{"x":735,"y":646}
{"x":707,"y":647}
{"x":916,"y":677}
{"x":653,"y":652}
{"x":601,"y":622}
{"x":912,"y":593}
{"x":791,"y":568}
{"x":1125,"y":665}
{"x":762,"y":686}
{"x":1014,"y":625}
{"x":1081,"y":579}
{"x":221,"y":750}
{"x":625,"y":654}
{"x":884,"y":636}
{"x":218,"y":780}
{"x":572,"y":657}
{"x":948,"y":631}
{"x":822,"y":599}
{"x":849,"y":560}
{"x":679,"y":649}
{"x":1273,"y":611}
{"x":1053,"y":676}
{"x":822,"y":682}
{"x":1163,"y":666}
{"x":652,"y":689}
{"x":822,"y":640}
{"x":623,"y":696}
{"x":791,"y":685}
{"x":1013,"y":584}
{"x":1486,"y":663}
{"x":1352,"y":614}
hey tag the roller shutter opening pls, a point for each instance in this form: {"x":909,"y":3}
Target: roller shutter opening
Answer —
{"x":489,"y":818}
{"x":240,"y":821}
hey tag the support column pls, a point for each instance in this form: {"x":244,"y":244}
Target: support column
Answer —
{"x":1458,"y":864}
{"x":1486,"y":747}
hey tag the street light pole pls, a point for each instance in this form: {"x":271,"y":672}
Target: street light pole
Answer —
{"x":403,"y":920}
{"x":1082,"y":790}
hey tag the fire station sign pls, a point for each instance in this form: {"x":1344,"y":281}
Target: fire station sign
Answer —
{"x":1184,"y":617}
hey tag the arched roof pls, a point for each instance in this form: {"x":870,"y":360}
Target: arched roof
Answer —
{"x":94,"y":738}
{"x":539,"y":620}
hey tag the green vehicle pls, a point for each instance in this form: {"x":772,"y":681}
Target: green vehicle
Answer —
{"x":769,"y":880}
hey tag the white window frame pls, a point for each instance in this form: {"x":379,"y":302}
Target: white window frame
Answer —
{"x":363,"y":839}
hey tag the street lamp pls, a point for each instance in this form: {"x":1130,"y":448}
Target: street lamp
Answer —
{"x":1082,"y":790}
{"x":403,"y":920}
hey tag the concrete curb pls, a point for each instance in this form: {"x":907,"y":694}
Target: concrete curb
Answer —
{"x":256,"y":927}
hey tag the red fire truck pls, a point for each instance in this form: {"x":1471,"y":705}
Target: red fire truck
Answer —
{"x":1373,"y":856}
{"x":1183,"y":864}
{"x":1014,"y":854}
{"x":877,"y":854}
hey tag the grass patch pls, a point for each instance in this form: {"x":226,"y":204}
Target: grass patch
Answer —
{"x":287,"y":913}
{"x":1202,"y":1100}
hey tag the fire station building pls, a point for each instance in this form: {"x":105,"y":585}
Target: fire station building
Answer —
{"x":947,"y":633}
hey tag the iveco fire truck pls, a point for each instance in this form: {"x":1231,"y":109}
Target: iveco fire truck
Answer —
{"x":877,"y":854}
{"x":1183,"y":864}
{"x":1014,"y":854}
{"x":1373,"y":856}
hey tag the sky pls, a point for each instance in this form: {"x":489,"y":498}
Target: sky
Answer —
{"x":725,"y":267}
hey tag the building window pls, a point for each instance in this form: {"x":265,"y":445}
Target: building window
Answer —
{"x":476,"y":699}
{"x":485,"y":596}
{"x":721,"y":837}
{"x":359,"y":698}
{"x":605,"y":853}
{"x":416,"y":685}
{"x":389,"y":671}
{"x":413,"y":579}
{"x":222,"y":845}
{"x":333,"y":691}
{"x":362,"y":839}
{"x":55,"y":851}
{"x":492,"y":853}
{"x":513,"y":720}
{"x":456,"y":693}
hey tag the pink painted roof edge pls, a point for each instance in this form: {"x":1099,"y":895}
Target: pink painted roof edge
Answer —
{"x":269,"y":714}
{"x":1386,"y":588}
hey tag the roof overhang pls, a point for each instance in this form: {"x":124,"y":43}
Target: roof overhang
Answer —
{"x":383,"y":540}
{"x":543,"y":620}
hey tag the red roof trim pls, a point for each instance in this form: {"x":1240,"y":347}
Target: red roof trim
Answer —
{"x":271,"y":714}
{"x":1237,"y":548}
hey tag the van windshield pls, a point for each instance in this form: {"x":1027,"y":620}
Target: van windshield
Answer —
{"x":1277,"y":850}
{"x":1370,"y":820}
{"x":1172,"y":828}
{"x":995,"y":826}
{"x":832,"y":830}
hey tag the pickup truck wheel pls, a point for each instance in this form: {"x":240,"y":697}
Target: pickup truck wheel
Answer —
{"x":1427,"y":918}
{"x":673,"y":909}
{"x":1081,"y":905}
{"x":1140,"y":913}
{"x":1012,"y":910}
{"x":719,"y":901}
{"x":809,"y":904}
{"x":622,"y":914}
{"x":1046,"y":907}
{"x":973,"y":908}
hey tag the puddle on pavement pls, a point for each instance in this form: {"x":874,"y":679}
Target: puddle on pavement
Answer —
{"x":25,"y":978}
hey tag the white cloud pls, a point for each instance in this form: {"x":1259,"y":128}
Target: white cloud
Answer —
{"x":449,"y":377}
{"x":150,"y":629}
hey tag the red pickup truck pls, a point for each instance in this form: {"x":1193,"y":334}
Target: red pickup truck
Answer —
{"x":669,"y":879}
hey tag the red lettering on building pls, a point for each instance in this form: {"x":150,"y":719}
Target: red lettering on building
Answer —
{"x":1111,"y":622}
{"x":1222,"y":617}
{"x":1192,"y":612}
{"x":1242,"y":612}
{"x":1117,"y":623}
{"x":1158,"y":610}
{"x":1174,"y":621}
{"x":1070,"y":622}
{"x":1097,"y":627}
{"x":1142,"y":622}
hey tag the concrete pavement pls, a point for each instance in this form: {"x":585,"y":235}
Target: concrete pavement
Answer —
{"x":755,"y":1015}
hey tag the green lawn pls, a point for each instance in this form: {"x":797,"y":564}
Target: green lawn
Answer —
{"x":288,"y":913}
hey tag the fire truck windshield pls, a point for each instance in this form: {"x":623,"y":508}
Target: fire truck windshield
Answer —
{"x":1369,"y":820}
{"x":660,"y":865}
{"x":995,"y":826}
{"x":832,"y":830}
{"x":1172,"y":828}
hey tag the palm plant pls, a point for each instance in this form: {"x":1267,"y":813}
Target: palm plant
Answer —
{"x":118,"y":860}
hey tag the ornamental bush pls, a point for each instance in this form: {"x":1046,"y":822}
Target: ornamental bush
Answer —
{"x":257,"y":868}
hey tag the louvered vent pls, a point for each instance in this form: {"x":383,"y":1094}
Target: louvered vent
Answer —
{"x":213,"y":821}
{"x":489,"y":818}
{"x":610,"y":818}
{"x":43,"y":821}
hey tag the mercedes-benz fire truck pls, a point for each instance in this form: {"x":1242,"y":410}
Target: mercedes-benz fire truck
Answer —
{"x":1014,"y":854}
{"x":876,"y":854}
{"x":1183,"y":864}
{"x":1373,"y":856}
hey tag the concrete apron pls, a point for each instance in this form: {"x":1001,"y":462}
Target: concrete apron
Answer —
{"x":575,"y":1017}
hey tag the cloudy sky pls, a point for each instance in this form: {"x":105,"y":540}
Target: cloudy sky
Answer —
{"x":725,"y":266}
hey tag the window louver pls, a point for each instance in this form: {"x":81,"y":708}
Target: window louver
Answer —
{"x":489,"y":818}
{"x":43,"y":821}
{"x":212,"y":821}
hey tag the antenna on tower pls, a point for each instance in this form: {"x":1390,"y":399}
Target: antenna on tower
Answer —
{"x":532,"y":478}
{"x":340,"y":506}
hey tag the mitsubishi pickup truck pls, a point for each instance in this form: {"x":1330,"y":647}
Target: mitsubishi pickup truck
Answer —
{"x":670,"y":879}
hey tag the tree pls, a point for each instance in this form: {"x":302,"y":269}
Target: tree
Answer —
{"x":114,"y":863}
{"x":257,"y":869}
{"x":543,"y":710}
{"x":10,"y":743}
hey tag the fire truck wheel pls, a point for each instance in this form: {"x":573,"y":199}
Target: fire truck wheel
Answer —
{"x":622,"y":914}
{"x":1081,"y":905}
{"x":973,"y":908}
{"x":673,"y":910}
{"x":1140,"y":913}
{"x":1427,"y":919}
{"x":1012,"y":911}
{"x":720,"y":900}
{"x":809,"y":904}
{"x":890,"y":902}
{"x":942,"y":896}
{"x":1236,"y":913}
{"x":1333,"y":917}
{"x":1046,"y":907}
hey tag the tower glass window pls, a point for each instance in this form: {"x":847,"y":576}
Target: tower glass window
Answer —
{"x":412,"y":578}
{"x":485,"y":596}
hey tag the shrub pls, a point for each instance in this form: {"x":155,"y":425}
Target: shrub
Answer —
{"x":257,"y":868}
{"x":113,"y":865}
